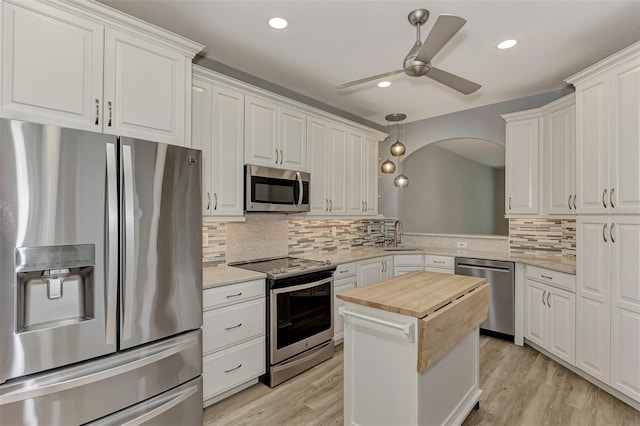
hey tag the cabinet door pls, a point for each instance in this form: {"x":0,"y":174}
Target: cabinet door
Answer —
{"x":536,"y":313}
{"x":593,"y":296}
{"x":228,"y":149}
{"x":624,"y":185}
{"x":337,"y":168}
{"x":401,"y":270}
{"x":52,"y":69}
{"x":625,"y":305}
{"x":370,"y":176}
{"x":355,"y":183}
{"x":592,"y":145}
{"x":293,"y":139}
{"x":144,"y":89}
{"x":522,"y":167}
{"x":201,"y":128}
{"x":369,"y":272}
{"x":561,"y":307}
{"x":261,"y":132}
{"x":559,"y":161}
{"x":338,"y":322}
{"x":318,"y":160}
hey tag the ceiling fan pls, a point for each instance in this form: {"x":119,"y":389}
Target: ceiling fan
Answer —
{"x":417,"y":63}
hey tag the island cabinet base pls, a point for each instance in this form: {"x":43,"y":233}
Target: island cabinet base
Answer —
{"x":382,"y":385}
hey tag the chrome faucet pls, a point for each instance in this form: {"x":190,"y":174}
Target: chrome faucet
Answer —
{"x":397,"y":233}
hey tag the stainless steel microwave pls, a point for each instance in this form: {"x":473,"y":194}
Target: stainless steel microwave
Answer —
{"x":275,"y":190}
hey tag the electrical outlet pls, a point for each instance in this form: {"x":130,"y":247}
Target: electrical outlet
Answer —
{"x":334,"y":231}
{"x":461,"y":244}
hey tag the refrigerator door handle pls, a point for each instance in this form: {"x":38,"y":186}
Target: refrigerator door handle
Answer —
{"x":111,"y":280}
{"x":158,"y":411}
{"x":129,"y":243}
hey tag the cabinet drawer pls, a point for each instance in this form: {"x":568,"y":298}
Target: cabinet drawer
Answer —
{"x":234,"y":293}
{"x":236,"y":323}
{"x":408,"y":260}
{"x":553,"y":278}
{"x":345,"y":270}
{"x":438,"y":261}
{"x":225,"y":370}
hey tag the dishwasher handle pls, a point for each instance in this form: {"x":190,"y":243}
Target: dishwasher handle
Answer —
{"x":483,"y":268}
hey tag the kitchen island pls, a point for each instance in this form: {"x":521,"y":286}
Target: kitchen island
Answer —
{"x":411,"y":349}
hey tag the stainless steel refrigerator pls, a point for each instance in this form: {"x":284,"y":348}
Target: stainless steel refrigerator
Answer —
{"x":100,"y":279}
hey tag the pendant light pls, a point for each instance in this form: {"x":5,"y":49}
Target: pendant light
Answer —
{"x":397,"y":150}
{"x":388,"y":166}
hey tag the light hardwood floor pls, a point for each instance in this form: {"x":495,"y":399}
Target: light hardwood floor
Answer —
{"x":520,"y":387}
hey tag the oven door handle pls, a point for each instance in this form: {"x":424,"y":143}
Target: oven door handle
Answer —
{"x":301,"y":286}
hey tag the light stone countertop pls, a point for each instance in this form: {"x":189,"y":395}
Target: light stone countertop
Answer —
{"x":216,"y":276}
{"x":556,"y":263}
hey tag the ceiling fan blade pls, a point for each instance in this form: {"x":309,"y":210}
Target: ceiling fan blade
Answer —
{"x":445,"y":27}
{"x":460,"y":84}
{"x":364,"y":80}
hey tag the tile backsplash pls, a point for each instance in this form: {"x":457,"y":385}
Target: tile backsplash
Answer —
{"x":554,"y":237}
{"x":274,"y":235}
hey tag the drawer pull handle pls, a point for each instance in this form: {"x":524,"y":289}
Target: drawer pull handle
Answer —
{"x":438,"y":261}
{"x":234,"y":327}
{"x":544,"y":276}
{"x":344,"y":272}
{"x":233,"y":369}
{"x":229,"y":296}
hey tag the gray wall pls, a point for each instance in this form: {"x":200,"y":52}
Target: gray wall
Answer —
{"x":448,"y":194}
{"x":501,"y":225}
{"x":480,"y":123}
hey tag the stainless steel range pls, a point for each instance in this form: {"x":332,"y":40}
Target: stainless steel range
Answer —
{"x":299,"y":315}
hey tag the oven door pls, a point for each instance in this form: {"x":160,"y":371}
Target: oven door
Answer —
{"x":274,"y":190}
{"x":300,"y":318}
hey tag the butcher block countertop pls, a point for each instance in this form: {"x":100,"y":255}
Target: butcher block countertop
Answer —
{"x":416,"y":294}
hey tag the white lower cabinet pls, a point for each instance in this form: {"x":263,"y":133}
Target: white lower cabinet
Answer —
{"x":345,"y":279}
{"x":233,"y":342}
{"x":442,"y":264}
{"x":374,"y":270}
{"x":405,"y":263}
{"x":550,"y":313}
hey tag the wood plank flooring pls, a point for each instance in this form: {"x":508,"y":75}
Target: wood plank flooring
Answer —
{"x":520,"y":387}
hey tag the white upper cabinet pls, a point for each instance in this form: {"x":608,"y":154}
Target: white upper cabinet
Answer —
{"x":217,"y":128}
{"x":608,"y":135}
{"x":327,"y":164}
{"x":558,"y":163}
{"x":355,"y":173}
{"x":144,"y":90}
{"x":109,"y":73}
{"x":275,"y":135}
{"x":371,"y":175}
{"x":51,"y":66}
{"x":522,"y":151}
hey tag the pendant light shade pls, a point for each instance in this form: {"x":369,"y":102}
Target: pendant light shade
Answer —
{"x":388,"y":166}
{"x":397,"y":149}
{"x":401,"y":181}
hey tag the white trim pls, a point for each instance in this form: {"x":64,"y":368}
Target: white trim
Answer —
{"x":109,"y":16}
{"x":252,"y":90}
{"x":605,"y":64}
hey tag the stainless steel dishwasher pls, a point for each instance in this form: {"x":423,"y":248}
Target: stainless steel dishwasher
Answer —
{"x":500,"y":276}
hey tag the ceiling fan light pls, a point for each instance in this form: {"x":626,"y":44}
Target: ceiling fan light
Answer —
{"x":401,"y":181}
{"x":507,"y":44}
{"x":278,"y":23}
{"x":388,"y":166}
{"x":397,"y":149}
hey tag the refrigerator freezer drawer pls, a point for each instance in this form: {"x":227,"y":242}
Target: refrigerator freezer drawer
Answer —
{"x":94,"y":389}
{"x":180,"y":406}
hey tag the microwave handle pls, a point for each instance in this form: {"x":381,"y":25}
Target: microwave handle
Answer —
{"x":301,"y":188}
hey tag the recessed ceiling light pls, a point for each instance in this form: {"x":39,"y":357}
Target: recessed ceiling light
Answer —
{"x":507,"y":44}
{"x":278,"y":23}
{"x":384,"y":84}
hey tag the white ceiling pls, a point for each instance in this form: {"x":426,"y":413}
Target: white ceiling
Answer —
{"x":329,"y":42}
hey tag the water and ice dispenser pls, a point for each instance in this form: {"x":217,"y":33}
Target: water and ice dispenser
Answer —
{"x":55,"y":286}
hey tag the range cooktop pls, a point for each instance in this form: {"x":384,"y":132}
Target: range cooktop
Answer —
{"x":285,"y":266}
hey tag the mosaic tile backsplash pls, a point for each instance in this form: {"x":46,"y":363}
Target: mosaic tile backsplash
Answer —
{"x":213,"y":243}
{"x":312,"y":236}
{"x":554,"y":237}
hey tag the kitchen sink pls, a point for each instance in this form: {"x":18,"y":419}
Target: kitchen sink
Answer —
{"x":400,"y":248}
